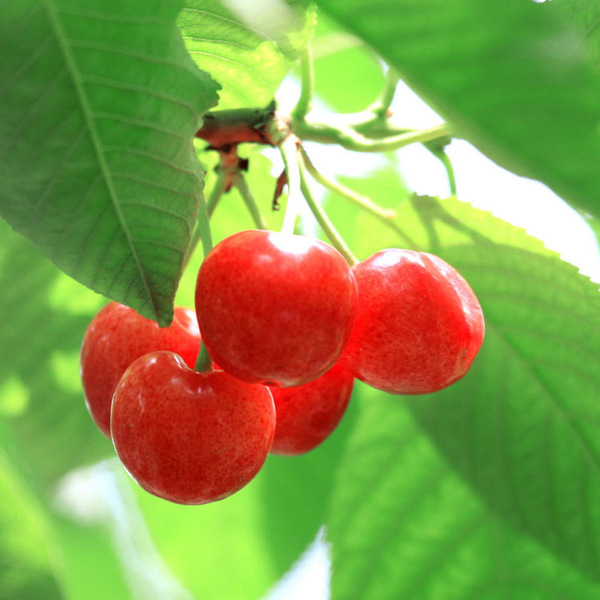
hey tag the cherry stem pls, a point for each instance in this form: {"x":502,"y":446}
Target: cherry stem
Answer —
{"x":217,"y":191}
{"x":380,"y":107}
{"x":445,"y":160}
{"x":204,"y":362}
{"x":289,"y":153}
{"x":322,"y":219}
{"x":202,"y":230}
{"x":336,"y":187}
{"x":304,"y":104}
{"x":239,"y":182}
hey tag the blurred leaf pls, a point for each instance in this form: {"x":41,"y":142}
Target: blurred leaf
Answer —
{"x":248,"y":53}
{"x":404,"y":525}
{"x":218,"y":550}
{"x":90,"y":567}
{"x":104,"y":544}
{"x":522,"y":428}
{"x":513,"y":77}
{"x":43,"y":315}
{"x":586,"y":15}
{"x":344,"y":89}
{"x":99,"y":106}
{"x":26,"y":553}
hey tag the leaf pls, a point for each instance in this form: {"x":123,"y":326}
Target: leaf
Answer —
{"x":43,"y":316}
{"x":26,"y":562}
{"x":105,"y":548}
{"x":343,"y":89}
{"x":404,"y":525}
{"x":528,"y":419}
{"x":522,"y":428}
{"x":99,"y":107}
{"x":247,"y":53}
{"x":90,"y":568}
{"x":512,"y":77}
{"x":586,"y":15}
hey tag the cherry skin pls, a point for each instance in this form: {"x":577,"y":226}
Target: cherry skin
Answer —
{"x":273,"y":308}
{"x":309,"y":413}
{"x":190,"y":437}
{"x":418,"y":324}
{"x":116,"y":337}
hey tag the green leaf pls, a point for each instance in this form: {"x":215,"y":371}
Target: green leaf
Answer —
{"x":103,"y":542}
{"x":522,"y":428}
{"x":99,"y":106}
{"x":528,"y":418}
{"x":512,"y":77}
{"x":44,"y":314}
{"x":404,"y":525}
{"x":90,"y":569}
{"x":26,"y":560}
{"x":343,"y":89}
{"x":586,"y":15}
{"x":249,"y":54}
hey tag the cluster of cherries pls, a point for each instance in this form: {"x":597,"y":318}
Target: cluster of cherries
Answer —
{"x":288,"y":325}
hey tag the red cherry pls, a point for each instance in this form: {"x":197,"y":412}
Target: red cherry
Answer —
{"x":308,"y":414}
{"x":418,"y":324}
{"x":190,"y":437}
{"x":116,"y":337}
{"x":274,"y":308}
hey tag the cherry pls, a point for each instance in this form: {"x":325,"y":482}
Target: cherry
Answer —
{"x":190,"y":437}
{"x":116,"y":337}
{"x":418,"y":324}
{"x":308,"y":414}
{"x":273,"y":308}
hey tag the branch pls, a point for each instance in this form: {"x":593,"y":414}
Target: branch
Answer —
{"x":222,"y":128}
{"x":352,"y":140}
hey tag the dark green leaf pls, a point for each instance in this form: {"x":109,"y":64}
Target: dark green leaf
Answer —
{"x":513,"y":77}
{"x":99,"y":106}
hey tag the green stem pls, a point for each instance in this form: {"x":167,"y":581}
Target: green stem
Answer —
{"x":289,"y":154}
{"x":380,"y":107}
{"x":308,"y":80}
{"x":382,"y":214}
{"x":336,"y":187}
{"x":216,"y":193}
{"x":239,"y":181}
{"x":202,"y":230}
{"x":352,"y":140}
{"x":326,"y":225}
{"x":445,"y":160}
{"x":204,"y":362}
